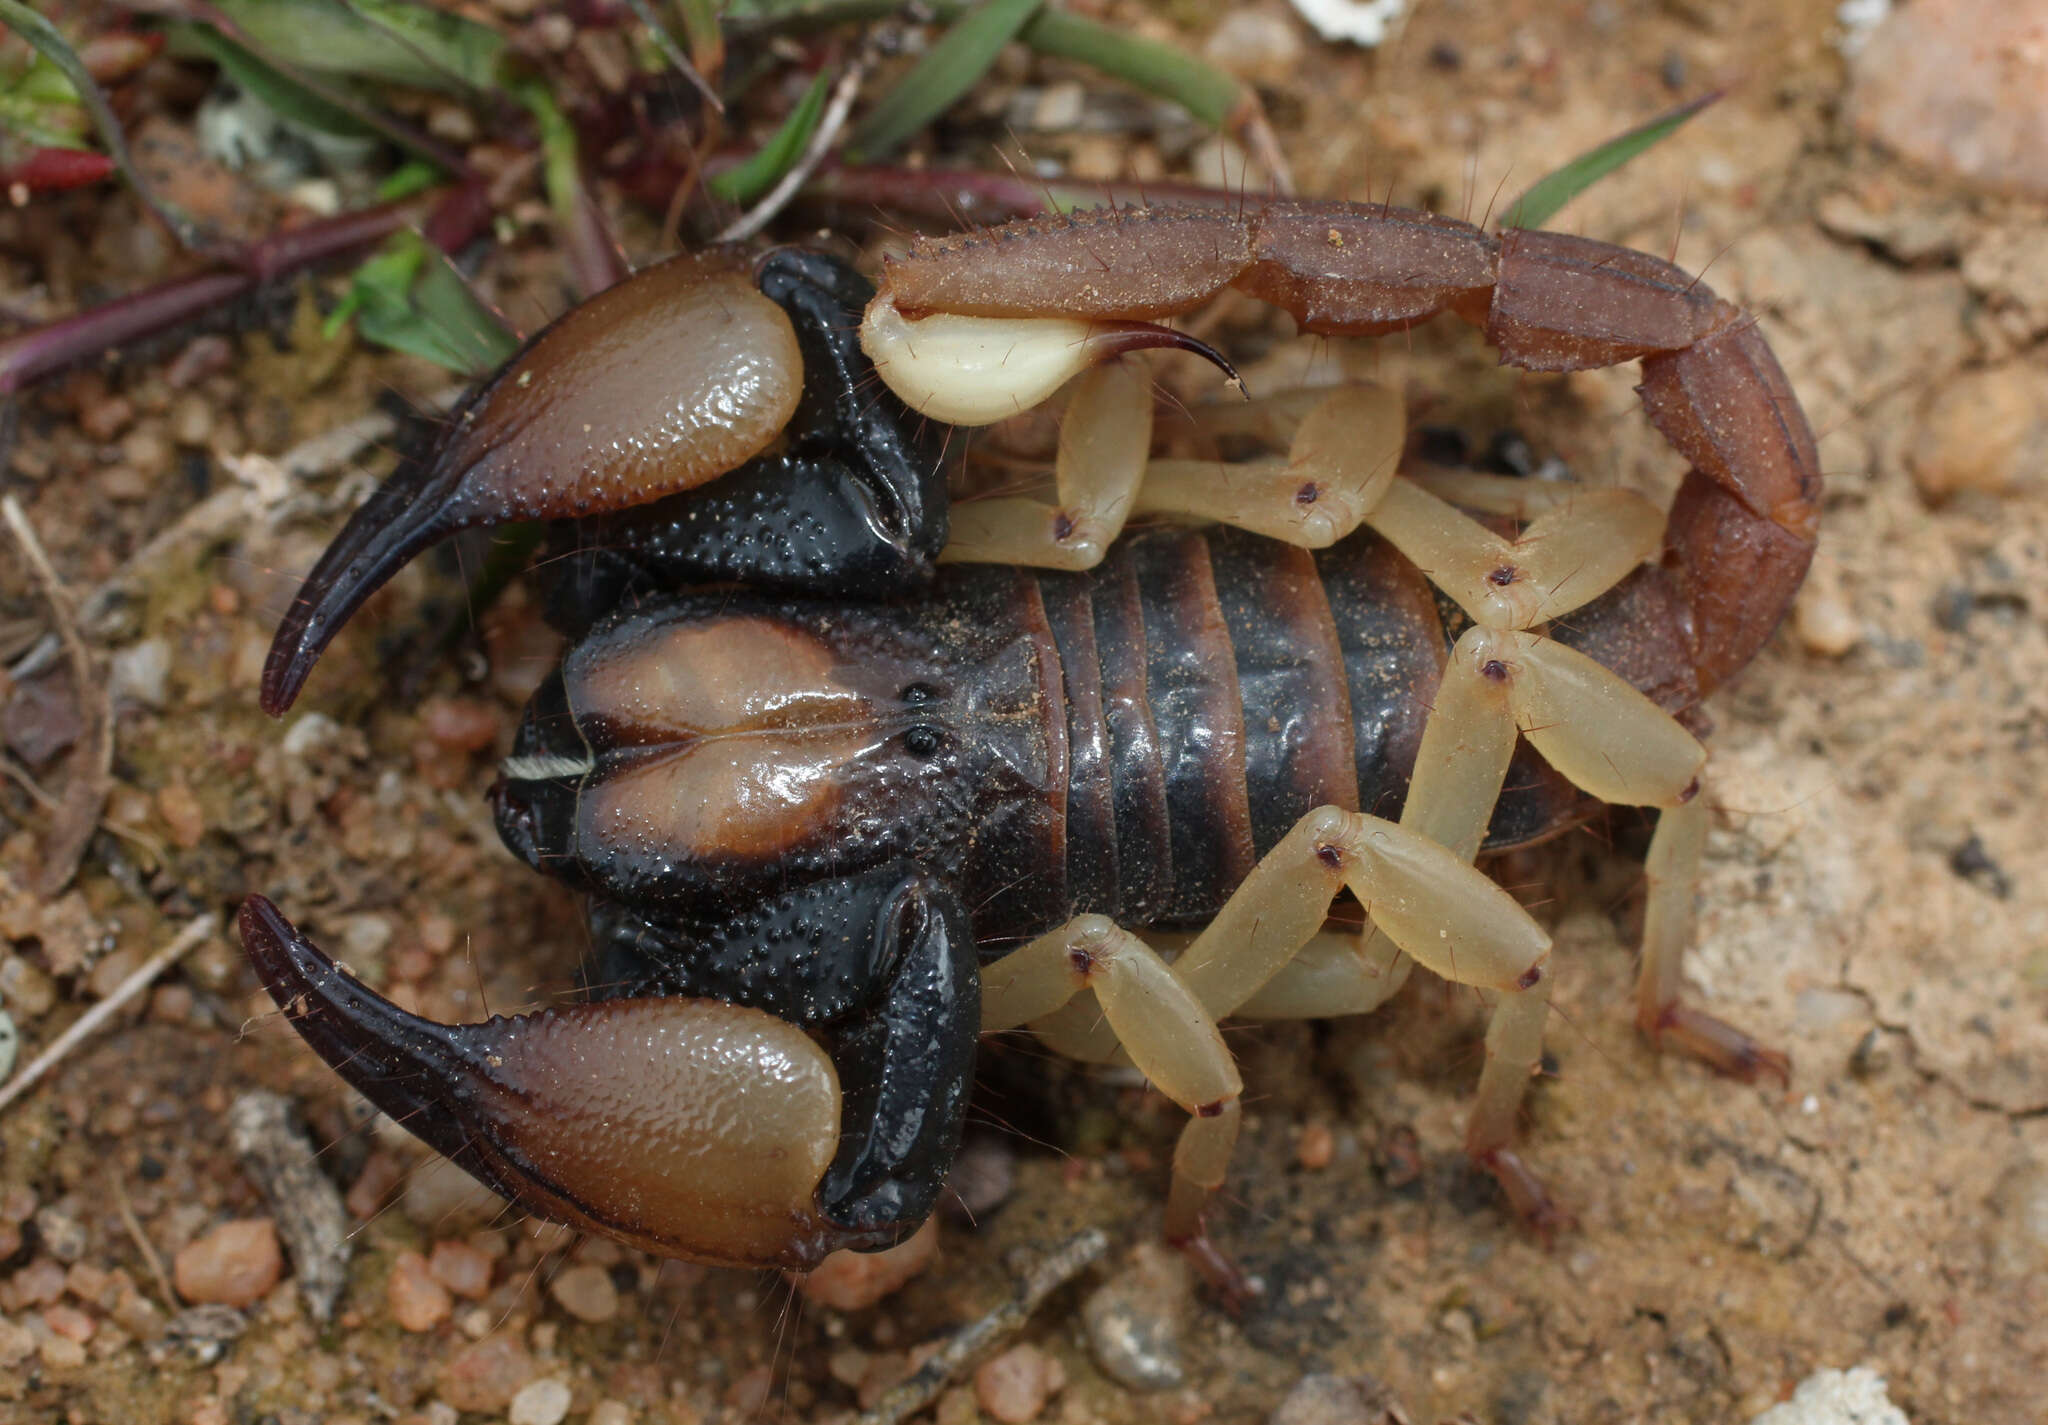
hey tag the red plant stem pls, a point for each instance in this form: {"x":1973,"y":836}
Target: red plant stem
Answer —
{"x":47,"y":170}
{"x":458,"y":216}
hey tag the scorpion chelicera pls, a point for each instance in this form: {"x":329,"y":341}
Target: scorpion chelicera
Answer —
{"x":839,"y":813}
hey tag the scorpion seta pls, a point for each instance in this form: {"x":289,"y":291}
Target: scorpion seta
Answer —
{"x":838,"y":812}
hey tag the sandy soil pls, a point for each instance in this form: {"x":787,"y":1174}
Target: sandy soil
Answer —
{"x":1876,"y":898}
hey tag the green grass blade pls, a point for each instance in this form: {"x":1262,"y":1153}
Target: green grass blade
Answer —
{"x":1208,"y":93}
{"x":409,"y":298}
{"x":1557,"y":188}
{"x":52,"y":45}
{"x":760,"y":171}
{"x":948,"y":70}
{"x":275,"y":90}
{"x":383,"y":40}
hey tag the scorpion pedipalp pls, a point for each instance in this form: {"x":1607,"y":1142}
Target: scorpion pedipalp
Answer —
{"x":680,"y":1126}
{"x":657,"y":385}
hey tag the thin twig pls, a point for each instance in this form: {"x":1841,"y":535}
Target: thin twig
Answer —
{"x":1066,"y":1262}
{"x":675,"y":56}
{"x":92,"y":765}
{"x":841,"y":104}
{"x":457,"y":215}
{"x":196,"y":930}
{"x":151,"y":1258}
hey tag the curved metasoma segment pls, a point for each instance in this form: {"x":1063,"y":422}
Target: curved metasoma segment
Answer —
{"x":685,"y":1127}
{"x":673,"y":377}
{"x":1024,"y":301}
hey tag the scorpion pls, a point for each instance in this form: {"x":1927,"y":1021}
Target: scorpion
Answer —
{"x":850,"y":783}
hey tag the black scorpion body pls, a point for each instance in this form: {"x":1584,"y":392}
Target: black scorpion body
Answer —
{"x":1126,"y":742}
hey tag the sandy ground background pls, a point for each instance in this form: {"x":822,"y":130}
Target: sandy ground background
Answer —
{"x":1876,"y":897}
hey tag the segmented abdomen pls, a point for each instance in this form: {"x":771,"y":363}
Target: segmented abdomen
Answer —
{"x":1218,"y":685}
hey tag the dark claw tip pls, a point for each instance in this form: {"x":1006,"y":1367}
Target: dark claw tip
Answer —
{"x":417,"y":506}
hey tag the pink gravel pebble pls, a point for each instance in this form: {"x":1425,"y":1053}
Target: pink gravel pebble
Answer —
{"x":1014,"y":1386}
{"x":461,"y":1268}
{"x":418,"y":1302}
{"x":586,"y":1293}
{"x":70,"y":1323}
{"x":486,"y":1376}
{"x":236,"y":1264}
{"x":849,"y":1281}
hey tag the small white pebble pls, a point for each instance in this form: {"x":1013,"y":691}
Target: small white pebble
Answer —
{"x":544,"y":1402}
{"x":141,"y":673}
{"x":1809,"y":1104}
{"x":1362,"y":22}
{"x":312,"y":731}
{"x":1830,"y":1397}
{"x":1825,"y":622}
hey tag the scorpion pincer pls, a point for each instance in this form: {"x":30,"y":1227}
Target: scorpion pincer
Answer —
{"x":838,"y":813}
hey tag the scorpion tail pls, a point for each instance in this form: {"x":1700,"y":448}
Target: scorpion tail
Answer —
{"x":685,"y":1127}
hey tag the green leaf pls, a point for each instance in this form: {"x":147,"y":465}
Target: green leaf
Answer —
{"x":383,"y":40}
{"x":1205,"y":91}
{"x":276,"y":91}
{"x":408,"y":297}
{"x":415,"y":176}
{"x":760,"y":171}
{"x":1557,"y":188}
{"x":52,"y":45}
{"x":561,"y":169}
{"x":948,"y":70}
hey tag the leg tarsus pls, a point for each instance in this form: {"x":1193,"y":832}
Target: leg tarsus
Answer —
{"x":1219,"y":1272}
{"x":1544,"y":1214}
{"x":1716,"y":1043}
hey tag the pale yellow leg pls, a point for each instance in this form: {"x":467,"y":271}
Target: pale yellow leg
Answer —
{"x":1673,"y":874}
{"x":1331,"y":976}
{"x":1340,"y":462}
{"x":1171,"y":1038}
{"x":1105,"y":441}
{"x":1344,"y":449}
{"x":1565,"y":557}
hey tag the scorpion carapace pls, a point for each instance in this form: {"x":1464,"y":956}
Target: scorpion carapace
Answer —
{"x":839,"y":820}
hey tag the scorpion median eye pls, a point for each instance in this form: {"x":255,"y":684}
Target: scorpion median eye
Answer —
{"x":922,"y":741}
{"x":918,"y":694}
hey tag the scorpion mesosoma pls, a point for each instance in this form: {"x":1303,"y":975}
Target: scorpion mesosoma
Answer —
{"x":839,"y":814}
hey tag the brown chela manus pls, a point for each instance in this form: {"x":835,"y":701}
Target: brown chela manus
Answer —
{"x":837,"y":812}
